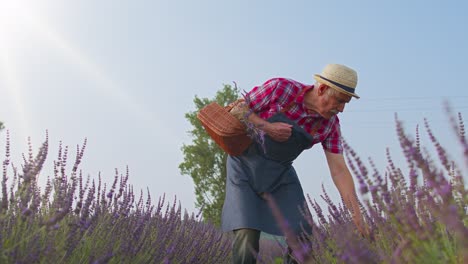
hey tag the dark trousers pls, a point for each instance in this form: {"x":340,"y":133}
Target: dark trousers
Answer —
{"x":246,"y":246}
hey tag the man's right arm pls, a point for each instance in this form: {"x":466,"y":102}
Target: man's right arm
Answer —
{"x":261,"y":97}
{"x":278,"y":131}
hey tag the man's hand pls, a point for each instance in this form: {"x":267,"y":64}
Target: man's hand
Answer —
{"x":362,"y":227}
{"x":278,"y":131}
{"x":345,"y":184}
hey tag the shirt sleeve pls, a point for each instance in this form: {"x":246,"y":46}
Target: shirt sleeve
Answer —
{"x":333,"y":142}
{"x":274,"y":93}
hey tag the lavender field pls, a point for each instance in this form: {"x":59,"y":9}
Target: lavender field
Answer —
{"x":416,"y":213}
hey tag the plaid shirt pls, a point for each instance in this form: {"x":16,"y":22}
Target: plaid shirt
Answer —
{"x":269,"y":98}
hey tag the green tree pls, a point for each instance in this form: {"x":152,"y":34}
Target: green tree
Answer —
{"x":1,"y":126}
{"x":205,"y":162}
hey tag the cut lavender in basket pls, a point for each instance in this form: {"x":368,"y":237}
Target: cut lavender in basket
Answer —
{"x":254,"y":132}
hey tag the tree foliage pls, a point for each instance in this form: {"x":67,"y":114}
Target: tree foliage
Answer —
{"x":1,"y":126}
{"x":205,"y":162}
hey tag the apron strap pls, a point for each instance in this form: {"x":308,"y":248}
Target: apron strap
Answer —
{"x":315,"y":126}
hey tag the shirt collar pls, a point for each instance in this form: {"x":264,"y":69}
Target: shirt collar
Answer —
{"x":300,"y":100}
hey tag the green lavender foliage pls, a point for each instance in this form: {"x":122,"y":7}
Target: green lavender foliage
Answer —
{"x":416,"y":214}
{"x":82,"y":220}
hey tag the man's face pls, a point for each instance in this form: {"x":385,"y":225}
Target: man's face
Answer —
{"x":331,"y":104}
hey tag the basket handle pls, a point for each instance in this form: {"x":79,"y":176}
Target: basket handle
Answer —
{"x":233,"y":104}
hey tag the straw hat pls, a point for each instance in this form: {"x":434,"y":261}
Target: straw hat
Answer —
{"x":339,"y":77}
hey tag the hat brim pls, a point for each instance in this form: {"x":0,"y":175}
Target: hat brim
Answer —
{"x":319,"y":78}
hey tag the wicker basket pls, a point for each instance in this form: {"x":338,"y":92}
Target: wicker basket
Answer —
{"x":224,"y":128}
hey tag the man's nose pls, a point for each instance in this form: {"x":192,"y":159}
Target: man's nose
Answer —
{"x":341,"y":107}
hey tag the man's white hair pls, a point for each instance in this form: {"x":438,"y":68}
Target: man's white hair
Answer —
{"x":330,"y":91}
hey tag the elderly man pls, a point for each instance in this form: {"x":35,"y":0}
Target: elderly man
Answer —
{"x":294,"y":117}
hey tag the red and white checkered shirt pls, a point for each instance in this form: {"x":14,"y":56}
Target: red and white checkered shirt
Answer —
{"x":269,"y":98}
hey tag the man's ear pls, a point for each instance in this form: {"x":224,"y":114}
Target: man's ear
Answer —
{"x":322,"y":88}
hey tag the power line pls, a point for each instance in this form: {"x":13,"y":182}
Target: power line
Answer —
{"x":397,"y":109}
{"x":415,"y":98}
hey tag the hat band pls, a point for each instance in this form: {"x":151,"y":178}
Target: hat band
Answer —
{"x":344,"y":87}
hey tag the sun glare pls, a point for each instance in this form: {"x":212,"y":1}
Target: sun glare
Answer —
{"x":10,"y":12}
{"x":20,"y":21}
{"x":12,"y":19}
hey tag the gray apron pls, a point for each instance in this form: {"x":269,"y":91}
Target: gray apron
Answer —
{"x":267,"y":169}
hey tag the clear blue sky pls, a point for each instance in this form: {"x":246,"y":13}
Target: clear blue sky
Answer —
{"x":124,"y":73}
